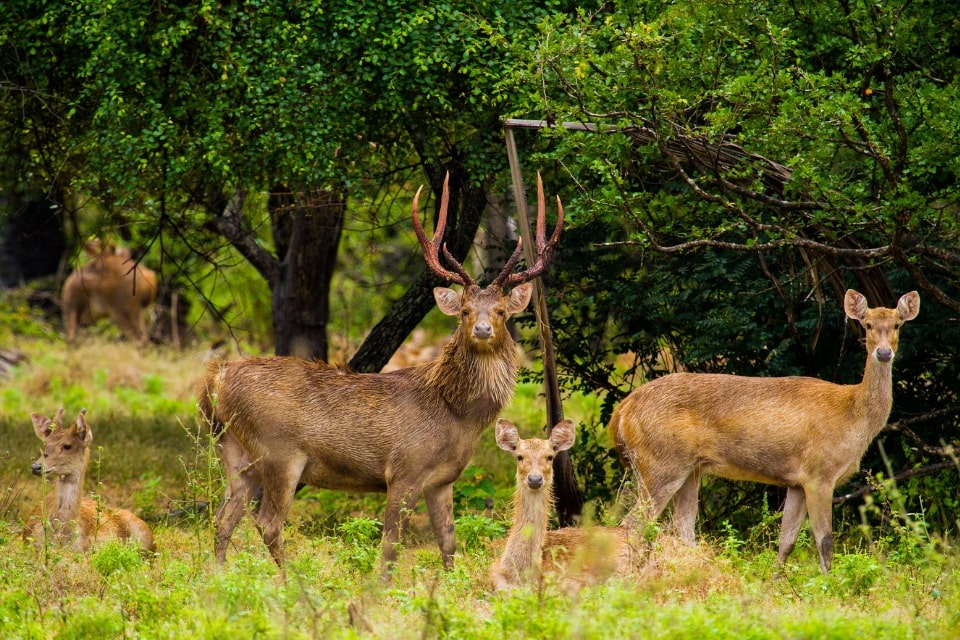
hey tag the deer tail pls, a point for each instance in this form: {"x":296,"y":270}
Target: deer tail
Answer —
{"x":207,"y":395}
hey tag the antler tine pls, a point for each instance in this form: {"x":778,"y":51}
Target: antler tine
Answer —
{"x":544,"y":248}
{"x":431,"y":248}
{"x":457,"y":267}
{"x":509,"y":265}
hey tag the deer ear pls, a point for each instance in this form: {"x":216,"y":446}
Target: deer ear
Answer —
{"x":855,"y":305}
{"x":448,"y":300}
{"x":42,"y":426}
{"x":83,"y":429}
{"x":507,"y":435}
{"x":562,"y":435}
{"x":519,"y":298}
{"x":909,"y":306}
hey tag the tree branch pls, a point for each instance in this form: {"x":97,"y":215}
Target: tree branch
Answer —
{"x":230,"y":225}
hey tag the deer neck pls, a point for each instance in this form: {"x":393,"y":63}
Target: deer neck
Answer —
{"x":875,"y":394}
{"x":476,"y":382}
{"x":523,"y":551}
{"x":63,"y":505}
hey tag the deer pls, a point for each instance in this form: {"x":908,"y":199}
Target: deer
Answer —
{"x":69,"y":518}
{"x":279,"y":421}
{"x":578,"y":556}
{"x":802,"y":433}
{"x":110,"y":285}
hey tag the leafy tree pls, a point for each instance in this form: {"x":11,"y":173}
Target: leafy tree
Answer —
{"x":753,"y":161}
{"x":186,"y":110}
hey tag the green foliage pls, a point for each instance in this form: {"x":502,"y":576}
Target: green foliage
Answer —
{"x":114,"y":557}
{"x":690,"y":249}
{"x":360,"y":548}
{"x":475,"y":530}
{"x":474,"y":490}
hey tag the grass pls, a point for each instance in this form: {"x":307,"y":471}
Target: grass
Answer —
{"x":152,"y":458}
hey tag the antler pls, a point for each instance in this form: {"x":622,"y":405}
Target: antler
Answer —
{"x":431,"y":249}
{"x":544,"y":248}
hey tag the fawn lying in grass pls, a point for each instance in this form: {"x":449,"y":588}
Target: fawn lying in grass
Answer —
{"x":574,"y":556}
{"x":69,"y":518}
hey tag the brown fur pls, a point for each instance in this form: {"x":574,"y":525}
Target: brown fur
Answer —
{"x":802,"y":433}
{"x":111,"y":285}
{"x":574,"y":556}
{"x":282,"y":421}
{"x":67,"y":517}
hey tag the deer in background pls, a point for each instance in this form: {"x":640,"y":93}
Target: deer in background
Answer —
{"x":282,"y":421}
{"x":110,"y":285}
{"x":75,"y":520}
{"x":578,"y":556}
{"x":802,"y":433}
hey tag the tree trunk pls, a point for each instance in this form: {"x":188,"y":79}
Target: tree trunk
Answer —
{"x":32,"y":240}
{"x":307,"y":227}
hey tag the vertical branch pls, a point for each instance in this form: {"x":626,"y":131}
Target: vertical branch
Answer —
{"x":569,"y":498}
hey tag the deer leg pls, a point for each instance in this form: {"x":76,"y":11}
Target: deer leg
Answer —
{"x":242,"y":480}
{"x":794,"y":510}
{"x":401,"y":497}
{"x":440,"y":507}
{"x":71,"y":320}
{"x":123,"y":319}
{"x":656,"y":490}
{"x":685,"y":507}
{"x":279,"y":484}
{"x":820,"y":509}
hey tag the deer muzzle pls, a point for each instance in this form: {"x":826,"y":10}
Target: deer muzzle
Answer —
{"x":884,"y":354}
{"x":534,"y":481}
{"x":482,"y":331}
{"x":37,"y":469}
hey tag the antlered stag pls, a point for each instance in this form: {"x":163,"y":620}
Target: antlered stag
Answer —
{"x":802,"y":433}
{"x":110,"y":285}
{"x":282,"y":421}
{"x":71,"y":518}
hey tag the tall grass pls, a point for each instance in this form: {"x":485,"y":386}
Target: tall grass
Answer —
{"x":153,"y":457}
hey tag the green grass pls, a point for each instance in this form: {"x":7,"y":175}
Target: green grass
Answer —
{"x":152,"y":458}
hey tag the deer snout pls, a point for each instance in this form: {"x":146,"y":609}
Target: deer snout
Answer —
{"x":534,"y":481}
{"x":884,"y":354}
{"x":482,"y":330}
{"x":37,"y":469}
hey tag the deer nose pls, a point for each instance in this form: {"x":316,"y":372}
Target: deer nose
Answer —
{"x":36,"y":468}
{"x":884,"y":354}
{"x":535,"y":481}
{"x":482,"y":330}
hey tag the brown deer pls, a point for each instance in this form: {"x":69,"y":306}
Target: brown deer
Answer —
{"x":577,"y":556}
{"x":110,"y":285}
{"x":282,"y":421}
{"x":66,"y":515}
{"x":802,"y":433}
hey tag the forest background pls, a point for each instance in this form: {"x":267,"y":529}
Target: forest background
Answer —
{"x":749,"y":161}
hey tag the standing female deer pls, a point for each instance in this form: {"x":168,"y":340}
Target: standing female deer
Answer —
{"x":802,"y":433}
{"x":282,"y":420}
{"x":74,"y":519}
{"x":578,"y":556}
{"x":111,"y":285}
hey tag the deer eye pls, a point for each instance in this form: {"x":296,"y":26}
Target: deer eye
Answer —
{"x":549,"y":458}
{"x":501,"y":312}
{"x":868,"y":325}
{"x":519,"y":458}
{"x":67,"y":447}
